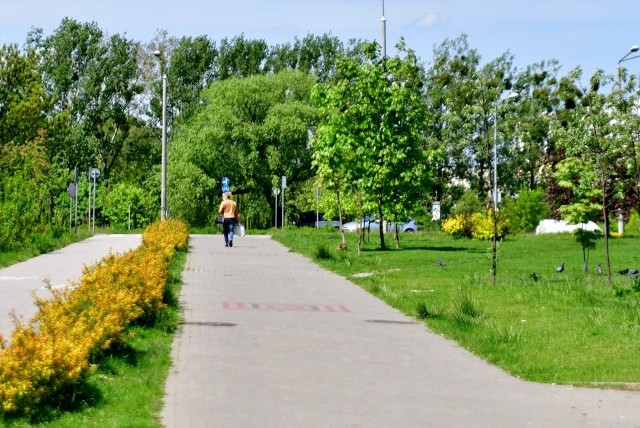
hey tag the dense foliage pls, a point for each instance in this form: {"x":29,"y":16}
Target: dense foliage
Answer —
{"x":384,"y":136}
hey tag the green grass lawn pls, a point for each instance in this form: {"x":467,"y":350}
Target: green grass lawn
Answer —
{"x":568,"y":327}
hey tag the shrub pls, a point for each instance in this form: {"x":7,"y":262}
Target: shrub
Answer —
{"x":468,"y":204}
{"x":52,"y":353}
{"x":127,"y":202}
{"x":525,"y":212}
{"x":476,"y":226}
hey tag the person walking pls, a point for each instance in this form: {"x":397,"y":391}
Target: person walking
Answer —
{"x":229,"y":211}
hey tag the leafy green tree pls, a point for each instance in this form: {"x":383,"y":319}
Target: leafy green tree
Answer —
{"x":240,"y":57}
{"x":627,"y":98}
{"x":95,"y":80}
{"x":372,"y":121}
{"x":28,"y":184}
{"x":188,"y":63}
{"x":312,"y":55}
{"x":448,"y":83}
{"x":587,"y":132}
{"x":23,"y":102}
{"x":253,"y":130}
{"x":529,"y":159}
{"x":462,"y":96}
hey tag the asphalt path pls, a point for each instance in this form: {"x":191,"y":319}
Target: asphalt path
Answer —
{"x":269,"y":339}
{"x":60,"y":268}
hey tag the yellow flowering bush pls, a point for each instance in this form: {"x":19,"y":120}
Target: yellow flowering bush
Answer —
{"x":475,"y":226}
{"x":54,"y":349}
{"x":169,"y":235}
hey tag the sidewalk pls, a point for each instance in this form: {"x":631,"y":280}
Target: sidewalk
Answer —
{"x":271,"y":340}
{"x":60,"y":268}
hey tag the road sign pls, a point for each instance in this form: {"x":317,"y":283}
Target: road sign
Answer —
{"x":435,"y":211}
{"x":226,"y":185}
{"x":94,"y":173}
{"x":72,"y":190}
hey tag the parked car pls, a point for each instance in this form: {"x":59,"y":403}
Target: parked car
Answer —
{"x":367,"y":222}
{"x":410,"y":226}
{"x":373,"y":224}
{"x":310,"y":219}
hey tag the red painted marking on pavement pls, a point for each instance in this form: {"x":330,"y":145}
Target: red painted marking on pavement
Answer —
{"x":284,"y":307}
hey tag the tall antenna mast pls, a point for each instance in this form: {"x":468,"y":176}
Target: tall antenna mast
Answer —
{"x":383,"y":43}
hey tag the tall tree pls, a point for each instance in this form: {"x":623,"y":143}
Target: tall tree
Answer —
{"x":312,"y":55}
{"x":374,"y":109}
{"x":240,"y":57}
{"x":463,"y":96}
{"x":252,"y":130}
{"x":24,"y":105}
{"x":526,"y":160}
{"x":95,"y":79}
{"x":189,"y":71}
{"x":588,"y":132}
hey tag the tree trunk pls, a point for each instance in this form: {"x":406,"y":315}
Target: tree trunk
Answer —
{"x":381,"y":219}
{"x":605,"y":213}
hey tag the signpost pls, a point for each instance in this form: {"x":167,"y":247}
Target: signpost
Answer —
{"x":317,"y":207}
{"x":276,"y":192}
{"x":94,"y":173}
{"x":72,"y":194}
{"x":284,"y":186}
{"x":435,"y":211}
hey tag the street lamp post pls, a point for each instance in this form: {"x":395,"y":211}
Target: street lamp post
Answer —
{"x":632,"y":49}
{"x":163,"y":178}
{"x":494,"y":204}
{"x":383,"y":35}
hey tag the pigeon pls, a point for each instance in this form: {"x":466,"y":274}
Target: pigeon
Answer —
{"x":440,"y":262}
{"x":633,"y":273}
{"x":560,"y":268}
{"x":623,"y":271}
{"x":599,"y":269}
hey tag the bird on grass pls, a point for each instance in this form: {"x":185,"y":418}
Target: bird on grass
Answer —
{"x":623,"y":271}
{"x":440,"y":262}
{"x":560,"y":268}
{"x":599,"y":269}
{"x":633,"y":273}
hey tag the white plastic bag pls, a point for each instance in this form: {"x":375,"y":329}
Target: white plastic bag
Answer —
{"x":239,"y":229}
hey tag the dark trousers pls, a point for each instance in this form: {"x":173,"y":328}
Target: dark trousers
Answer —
{"x":227,"y":229}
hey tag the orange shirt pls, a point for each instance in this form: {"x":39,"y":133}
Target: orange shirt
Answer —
{"x":228,"y":209}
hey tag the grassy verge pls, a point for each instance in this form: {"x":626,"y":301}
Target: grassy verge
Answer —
{"x":128,"y":387}
{"x":569,"y":328}
{"x":40,"y":244}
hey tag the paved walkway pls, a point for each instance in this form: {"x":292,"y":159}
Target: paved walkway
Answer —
{"x":271,"y":340}
{"x":60,"y":268}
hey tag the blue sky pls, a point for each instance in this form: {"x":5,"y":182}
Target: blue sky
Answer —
{"x":589,"y":33}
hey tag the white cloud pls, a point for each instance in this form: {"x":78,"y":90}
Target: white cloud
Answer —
{"x":428,"y":21}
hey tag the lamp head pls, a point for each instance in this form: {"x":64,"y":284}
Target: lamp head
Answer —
{"x":512,"y":95}
{"x":157,"y":53}
{"x":634,"y":48}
